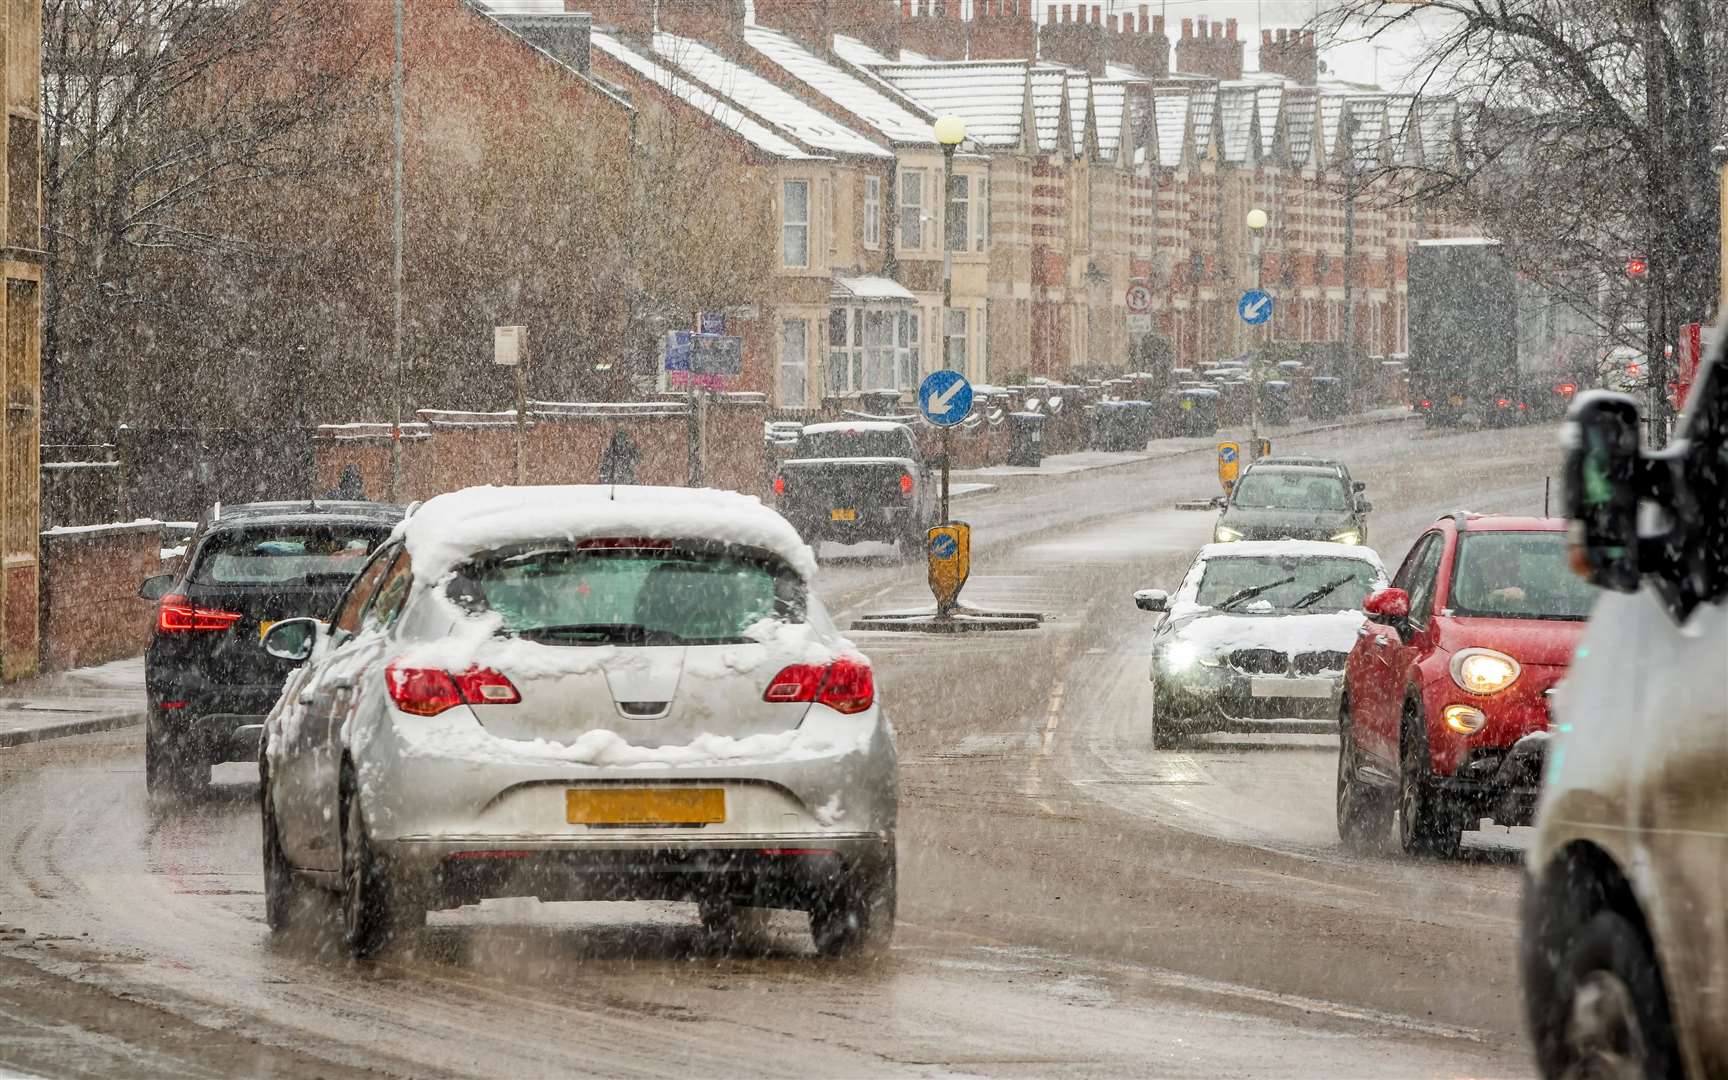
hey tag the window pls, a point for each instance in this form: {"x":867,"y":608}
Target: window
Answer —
{"x":906,"y":345}
{"x":956,"y":350}
{"x":657,"y":594}
{"x":959,"y":213}
{"x":1517,"y":575}
{"x":982,"y":210}
{"x":794,"y":362}
{"x":872,"y":212}
{"x":839,"y":357}
{"x":795,"y":223}
{"x":880,"y":370}
{"x":319,"y":555}
{"x":911,"y":209}
{"x":360,"y":594}
{"x":392,"y":593}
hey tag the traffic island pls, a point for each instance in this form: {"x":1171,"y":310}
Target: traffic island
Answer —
{"x":958,"y":621}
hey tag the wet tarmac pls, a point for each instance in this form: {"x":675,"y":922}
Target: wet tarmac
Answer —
{"x":1073,"y":903}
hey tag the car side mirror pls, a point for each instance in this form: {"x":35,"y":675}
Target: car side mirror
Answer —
{"x":156,"y":586}
{"x":1387,"y":605}
{"x":1600,"y":472}
{"x":1152,"y":600}
{"x":1358,"y":486}
{"x":1363,"y":505}
{"x":293,"y":639}
{"x":1219,"y":502}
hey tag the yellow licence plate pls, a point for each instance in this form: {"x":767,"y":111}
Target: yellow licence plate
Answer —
{"x":843,"y":515}
{"x":645,"y":806}
{"x":1454,"y":400}
{"x":264,"y":628}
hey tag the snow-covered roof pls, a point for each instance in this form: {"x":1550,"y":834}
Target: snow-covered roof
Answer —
{"x":449,"y":529}
{"x":1399,"y":144}
{"x":1049,"y":94}
{"x":1331,"y":118}
{"x":1299,"y":110}
{"x":860,"y":95}
{"x":1367,"y":130}
{"x":717,"y":109}
{"x":752,"y":92}
{"x":847,"y":427}
{"x":1110,"y":104}
{"x":1267,"y":102}
{"x":1236,"y":121}
{"x":1204,"y":111}
{"x":1170,"y":118}
{"x":1079,"y":95}
{"x":988,"y":96}
{"x":853,"y":51}
{"x":1435,"y":117}
{"x":869,"y":288}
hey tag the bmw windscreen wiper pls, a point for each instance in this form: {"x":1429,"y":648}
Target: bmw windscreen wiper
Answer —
{"x":1251,"y":592}
{"x":1322,"y":591}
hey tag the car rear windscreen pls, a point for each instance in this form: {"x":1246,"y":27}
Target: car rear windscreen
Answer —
{"x":844,"y":444}
{"x":1518,"y":575}
{"x":286,"y":555}
{"x":597,"y":594}
{"x":1278,"y":489}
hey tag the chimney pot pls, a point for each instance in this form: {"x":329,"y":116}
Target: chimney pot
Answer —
{"x":1230,"y":29}
{"x":1097,"y":15}
{"x":1265,"y":38}
{"x":1187,"y":29}
{"x":1067,"y":12}
{"x":1113,"y":24}
{"x":1308,"y":38}
{"x":1157,"y":23}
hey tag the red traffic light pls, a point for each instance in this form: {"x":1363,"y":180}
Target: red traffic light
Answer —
{"x":1637,"y":267}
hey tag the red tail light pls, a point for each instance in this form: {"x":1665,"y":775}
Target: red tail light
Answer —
{"x":176,"y":614}
{"x":846,"y":686}
{"x":1523,"y":404}
{"x":1567,"y":388}
{"x":779,"y":485}
{"x":1426,"y":404}
{"x":905,"y":483}
{"x":1502,"y":402}
{"x":430,"y":691}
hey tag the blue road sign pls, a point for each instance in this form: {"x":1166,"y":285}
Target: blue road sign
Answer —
{"x":1227,"y":454}
{"x":945,"y":398}
{"x":944,"y":546}
{"x":1255,"y":307}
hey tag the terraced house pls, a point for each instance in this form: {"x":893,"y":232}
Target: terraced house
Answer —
{"x":1099,"y":152}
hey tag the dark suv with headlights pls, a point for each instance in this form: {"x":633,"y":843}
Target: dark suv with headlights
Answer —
{"x":1294,"y":499}
{"x":208,"y":682}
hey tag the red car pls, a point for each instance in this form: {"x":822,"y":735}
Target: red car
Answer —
{"x":1445,"y":706}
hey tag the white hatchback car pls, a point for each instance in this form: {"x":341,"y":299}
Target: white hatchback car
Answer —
{"x":582,"y":693}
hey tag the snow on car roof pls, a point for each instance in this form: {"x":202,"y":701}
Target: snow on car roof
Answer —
{"x":849,"y":426}
{"x":1290,"y":549}
{"x":451,"y":528}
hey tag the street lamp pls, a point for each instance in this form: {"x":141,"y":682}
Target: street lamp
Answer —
{"x":1256,"y":222}
{"x":950,"y":132}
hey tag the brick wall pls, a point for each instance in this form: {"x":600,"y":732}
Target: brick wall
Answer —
{"x":90,"y":609}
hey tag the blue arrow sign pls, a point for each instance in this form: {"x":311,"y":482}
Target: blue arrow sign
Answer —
{"x":1255,"y":307}
{"x":945,"y":398}
{"x":1227,"y":454}
{"x":944,"y":546}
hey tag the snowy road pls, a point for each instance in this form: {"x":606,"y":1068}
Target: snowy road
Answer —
{"x":1073,"y":903}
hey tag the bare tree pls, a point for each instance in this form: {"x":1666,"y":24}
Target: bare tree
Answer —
{"x":166,"y":121}
{"x":1589,"y":130}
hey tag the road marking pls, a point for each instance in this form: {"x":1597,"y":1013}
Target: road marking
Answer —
{"x":1054,"y":718}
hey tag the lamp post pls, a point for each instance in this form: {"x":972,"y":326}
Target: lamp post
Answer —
{"x":1256,"y":222}
{"x":396,"y":94}
{"x":950,"y":132}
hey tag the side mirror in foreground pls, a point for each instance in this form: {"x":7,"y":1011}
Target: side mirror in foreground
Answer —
{"x":1387,"y":604}
{"x":1600,"y":474}
{"x":1152,"y":600}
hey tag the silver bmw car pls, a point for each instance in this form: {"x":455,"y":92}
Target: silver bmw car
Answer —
{"x":580,"y":693}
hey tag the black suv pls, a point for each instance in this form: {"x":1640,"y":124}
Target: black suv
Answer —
{"x":208,"y":682}
{"x":1295,"y":499}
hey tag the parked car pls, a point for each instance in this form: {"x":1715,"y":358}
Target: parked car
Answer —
{"x":582,"y":693}
{"x":1274,"y":500}
{"x":1625,"y":947}
{"x":1445,"y":713}
{"x":1255,"y":637}
{"x":208,"y":681}
{"x":853,"y":481}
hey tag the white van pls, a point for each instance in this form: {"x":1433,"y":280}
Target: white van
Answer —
{"x":1625,"y":945}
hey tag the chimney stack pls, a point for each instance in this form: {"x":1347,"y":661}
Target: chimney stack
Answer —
{"x":1080,"y":43}
{"x":1215,"y":52}
{"x":1292,"y":54}
{"x":1002,"y":30}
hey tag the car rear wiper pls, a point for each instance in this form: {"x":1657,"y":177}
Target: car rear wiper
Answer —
{"x":603,"y":634}
{"x":1322,"y":591}
{"x":1250,"y":592}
